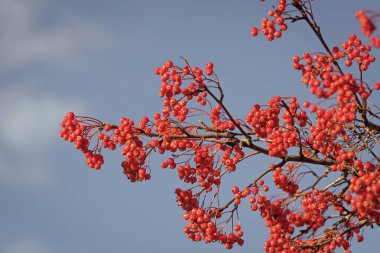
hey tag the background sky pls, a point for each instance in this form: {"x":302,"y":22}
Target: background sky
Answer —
{"x":97,"y":58}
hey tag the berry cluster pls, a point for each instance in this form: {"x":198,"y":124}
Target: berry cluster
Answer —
{"x":204,"y":162}
{"x":367,"y":191}
{"x":325,"y":80}
{"x":273,"y":26}
{"x":177,"y":93}
{"x":293,"y":115}
{"x":186,"y":200}
{"x":368,"y":27}
{"x":219,"y":123}
{"x":366,"y":24}
{"x":280,"y":230}
{"x":231,"y":157}
{"x":188,"y":174}
{"x":281,"y":140}
{"x":77,"y":131}
{"x":257,"y":197}
{"x":240,"y":194}
{"x":202,"y":227}
{"x":284,"y":182}
{"x":264,"y":121}
{"x":172,"y":78}
{"x":133,"y":150}
{"x":266,"y":124}
{"x":313,"y":208}
{"x":354,"y":51}
{"x":81,"y":130}
{"x":202,"y":223}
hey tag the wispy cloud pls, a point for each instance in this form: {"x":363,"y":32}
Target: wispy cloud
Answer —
{"x":29,"y":128}
{"x":26,"y":245}
{"x":31,"y":35}
{"x":25,"y":39}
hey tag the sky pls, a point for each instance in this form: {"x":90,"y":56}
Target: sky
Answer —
{"x":97,"y":58}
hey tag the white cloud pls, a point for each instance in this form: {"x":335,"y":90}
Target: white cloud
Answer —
{"x":29,"y":131}
{"x":27,"y":245}
{"x":26,"y":40}
{"x":29,"y":120}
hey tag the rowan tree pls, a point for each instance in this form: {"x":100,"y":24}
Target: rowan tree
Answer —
{"x":326,"y":167}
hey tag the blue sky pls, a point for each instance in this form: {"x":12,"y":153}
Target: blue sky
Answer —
{"x":97,"y":58}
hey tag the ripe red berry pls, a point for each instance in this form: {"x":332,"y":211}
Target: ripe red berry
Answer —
{"x":254,"y":31}
{"x":235,"y":190}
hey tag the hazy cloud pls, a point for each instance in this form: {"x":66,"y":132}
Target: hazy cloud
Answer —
{"x":25,"y":39}
{"x":30,"y":126}
{"x":27,"y":245}
{"x":31,"y":34}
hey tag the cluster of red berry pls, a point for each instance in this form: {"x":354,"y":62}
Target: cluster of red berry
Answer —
{"x":285,"y":182}
{"x":354,"y":50}
{"x":79,"y":132}
{"x":231,"y":157}
{"x":279,"y":239}
{"x":265,"y":120}
{"x":201,"y":226}
{"x":266,"y":124}
{"x":219,"y":122}
{"x":186,"y":200}
{"x":273,"y":26}
{"x":368,"y":26}
{"x":367,"y":191}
